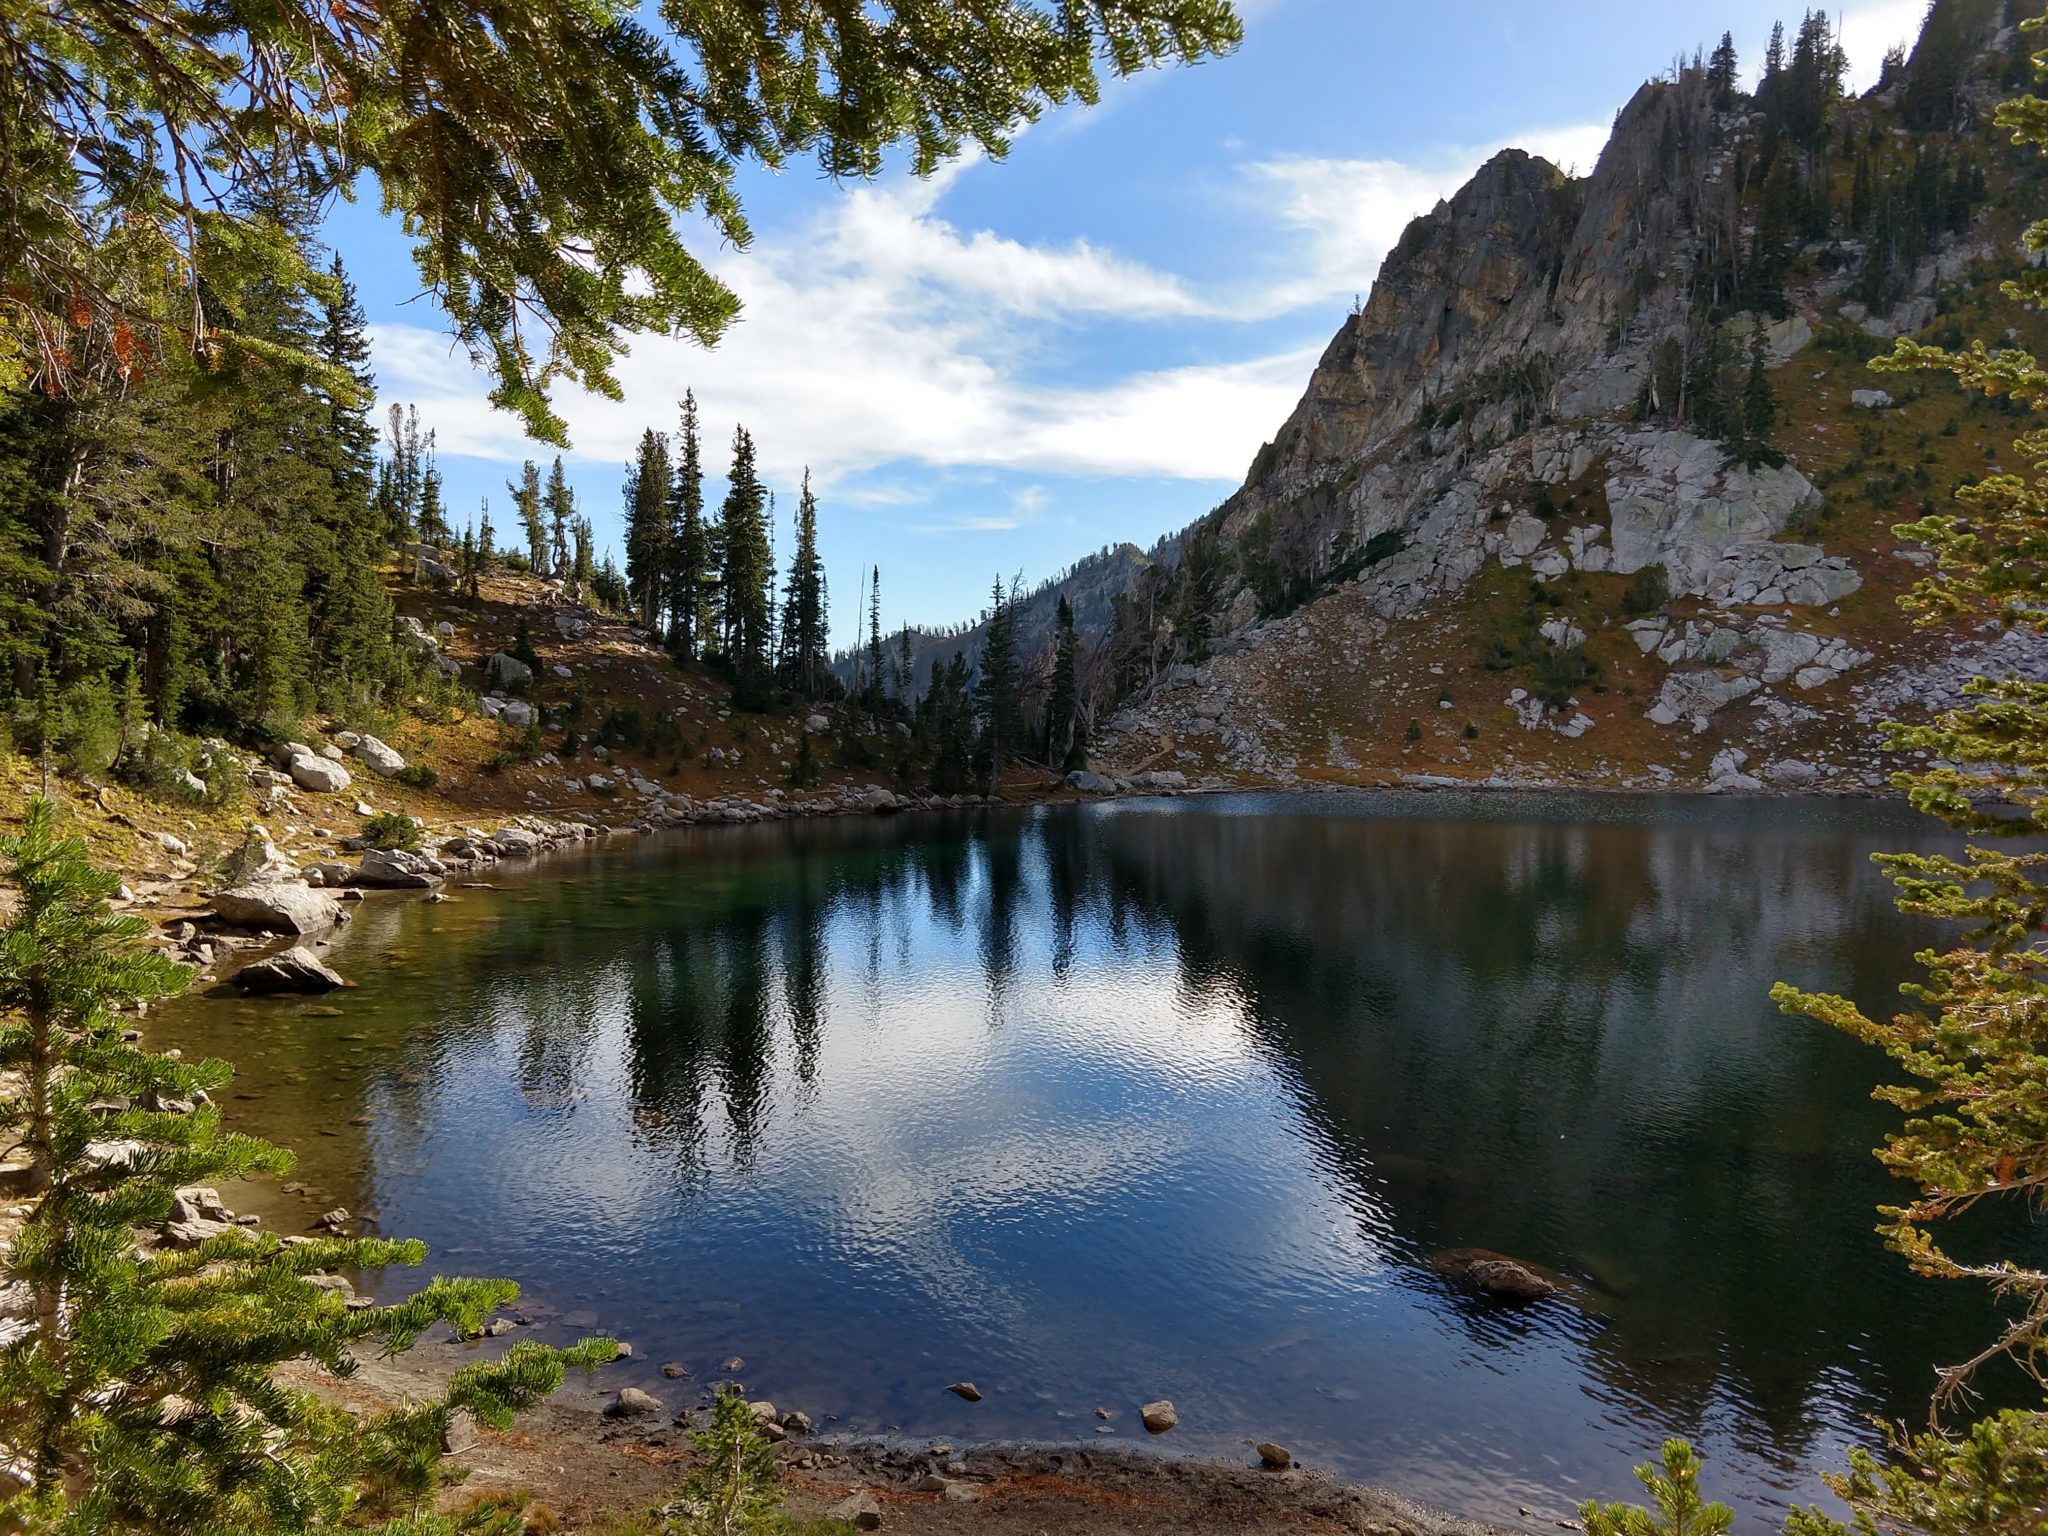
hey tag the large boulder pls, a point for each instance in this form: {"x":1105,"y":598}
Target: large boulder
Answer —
{"x":294,"y":970}
{"x":379,"y":758}
{"x":394,"y":869}
{"x":1090,"y":782}
{"x":506,"y":671}
{"x":318,"y":774}
{"x":277,"y":907}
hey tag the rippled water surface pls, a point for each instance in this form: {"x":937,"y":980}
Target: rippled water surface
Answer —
{"x":1176,"y":1099}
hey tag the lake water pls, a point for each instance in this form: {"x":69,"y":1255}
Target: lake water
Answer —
{"x":1170,"y":1099}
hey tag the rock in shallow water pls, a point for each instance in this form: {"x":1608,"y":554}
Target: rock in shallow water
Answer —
{"x":967,"y":1390}
{"x":631,"y":1403}
{"x":1159,"y":1417}
{"x":296,"y":970}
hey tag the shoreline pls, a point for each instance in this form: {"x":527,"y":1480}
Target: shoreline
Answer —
{"x":589,"y":1469}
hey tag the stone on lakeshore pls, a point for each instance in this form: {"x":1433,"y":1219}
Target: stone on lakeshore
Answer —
{"x":296,"y":970}
{"x":459,"y":1433}
{"x":284,"y":906}
{"x":631,"y":1403}
{"x":1277,"y":1457}
{"x":394,"y":869}
{"x":860,"y":1511}
{"x":1090,"y":783}
{"x":966,"y":1390}
{"x":1159,"y":1417}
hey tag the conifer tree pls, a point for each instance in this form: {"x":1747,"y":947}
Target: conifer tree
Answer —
{"x":748,"y":572}
{"x":526,"y":501}
{"x":1062,"y":707}
{"x":648,"y":489}
{"x":560,"y":505}
{"x":543,"y":162}
{"x":1723,"y":73}
{"x":1759,"y":404}
{"x":952,"y":722}
{"x":804,"y":633}
{"x":351,"y":390}
{"x":877,"y":689}
{"x":142,"y":1395}
{"x":690,"y":574}
{"x":998,"y":691}
{"x":433,"y":514}
{"x":406,"y":473}
{"x":582,"y":563}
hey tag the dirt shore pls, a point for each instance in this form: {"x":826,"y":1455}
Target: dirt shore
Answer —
{"x":594,"y":1474}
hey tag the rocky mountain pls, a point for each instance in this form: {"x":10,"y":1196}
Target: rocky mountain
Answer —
{"x":1596,"y":484}
{"x":1090,"y":586}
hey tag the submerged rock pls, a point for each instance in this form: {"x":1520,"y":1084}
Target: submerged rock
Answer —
{"x":1494,"y":1274}
{"x":295,"y":970}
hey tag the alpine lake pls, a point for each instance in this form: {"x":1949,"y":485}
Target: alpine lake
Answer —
{"x":1093,"y":1105}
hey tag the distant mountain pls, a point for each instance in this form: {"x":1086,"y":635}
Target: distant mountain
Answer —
{"x":1091,"y":586}
{"x":1596,"y":484}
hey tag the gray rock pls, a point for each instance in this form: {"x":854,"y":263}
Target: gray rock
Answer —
{"x":1871,"y":400}
{"x":294,"y":970}
{"x":1090,"y":782}
{"x":1159,"y":1417}
{"x":279,"y":907}
{"x":631,"y":1403}
{"x":318,"y":774}
{"x":379,"y":757}
{"x":395,"y":869}
{"x":860,"y":1511}
{"x":507,"y":671}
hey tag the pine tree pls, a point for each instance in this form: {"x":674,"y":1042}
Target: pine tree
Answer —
{"x":1759,"y":405}
{"x":690,"y":574}
{"x":1723,"y":73}
{"x":407,"y":467}
{"x":804,"y":634}
{"x":142,"y":1395}
{"x":526,"y":501}
{"x":998,"y":691}
{"x":647,"y":491}
{"x":876,"y":676}
{"x":560,"y":505}
{"x":582,"y":563}
{"x":1062,"y":707}
{"x":352,"y":390}
{"x":748,"y":573}
{"x":433,"y":515}
{"x":952,"y":726}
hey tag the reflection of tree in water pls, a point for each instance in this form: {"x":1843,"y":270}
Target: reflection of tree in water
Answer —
{"x":1549,"y":1039}
{"x":1555,"y":1041}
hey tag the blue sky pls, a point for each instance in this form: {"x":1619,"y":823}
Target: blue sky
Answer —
{"x":1004,"y":367}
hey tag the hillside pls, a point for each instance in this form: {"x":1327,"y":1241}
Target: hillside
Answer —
{"x":634,"y":740}
{"x":1526,"y":522}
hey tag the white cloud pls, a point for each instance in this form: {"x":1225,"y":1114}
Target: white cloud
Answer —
{"x":880,"y":333}
{"x":1867,"y":31}
{"x":1352,"y":212}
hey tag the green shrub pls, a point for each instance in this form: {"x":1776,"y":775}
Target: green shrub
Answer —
{"x":1647,"y":592}
{"x":391,"y":831}
{"x":418,"y":776}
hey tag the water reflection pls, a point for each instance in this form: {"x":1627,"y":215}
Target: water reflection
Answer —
{"x":1094,"y":1105}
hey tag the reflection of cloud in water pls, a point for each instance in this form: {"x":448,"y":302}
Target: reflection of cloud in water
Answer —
{"x":1178,"y":1100}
